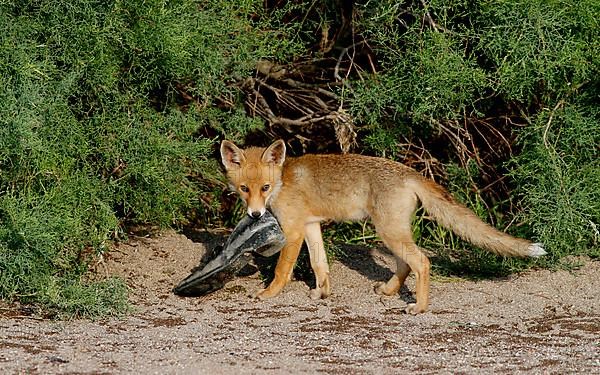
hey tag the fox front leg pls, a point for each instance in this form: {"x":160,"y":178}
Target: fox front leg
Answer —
{"x":285,"y":264}
{"x":318,"y":261}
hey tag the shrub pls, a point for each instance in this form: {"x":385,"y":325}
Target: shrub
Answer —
{"x":108,"y":115}
{"x":449,"y":70}
{"x":558,"y":177}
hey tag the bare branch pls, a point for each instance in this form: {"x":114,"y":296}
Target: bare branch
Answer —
{"x":336,"y":70}
{"x":547,"y":128}
{"x":430,"y":21}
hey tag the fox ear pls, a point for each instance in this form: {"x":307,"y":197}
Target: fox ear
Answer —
{"x":275,"y":153}
{"x":231,"y":155}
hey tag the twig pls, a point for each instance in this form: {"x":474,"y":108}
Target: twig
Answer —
{"x":336,"y":70}
{"x":303,"y":121}
{"x":545,"y":136}
{"x":427,"y":17}
{"x":265,"y":106}
{"x":491,"y":184}
{"x":456,"y":140}
{"x":295,"y":84}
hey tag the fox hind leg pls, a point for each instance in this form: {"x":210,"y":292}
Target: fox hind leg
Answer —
{"x":412,"y":258}
{"x":318,"y":261}
{"x":393,"y":285}
{"x":392,"y":222}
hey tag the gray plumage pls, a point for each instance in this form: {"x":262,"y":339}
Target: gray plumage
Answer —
{"x":262,"y":236}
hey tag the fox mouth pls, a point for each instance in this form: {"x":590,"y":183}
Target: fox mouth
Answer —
{"x":256,"y":214}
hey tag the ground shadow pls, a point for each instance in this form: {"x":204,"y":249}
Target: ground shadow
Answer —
{"x":360,"y":259}
{"x":470,"y":267}
{"x":209,"y":239}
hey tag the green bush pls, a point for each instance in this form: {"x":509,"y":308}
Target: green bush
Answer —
{"x":548,"y":62}
{"x":102,"y":112}
{"x":558,"y":174}
{"x":447,"y":67}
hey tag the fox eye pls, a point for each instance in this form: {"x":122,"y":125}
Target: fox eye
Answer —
{"x":266,"y":187}
{"x":244,"y":188}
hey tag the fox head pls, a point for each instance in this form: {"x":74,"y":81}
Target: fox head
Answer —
{"x":255,"y":173}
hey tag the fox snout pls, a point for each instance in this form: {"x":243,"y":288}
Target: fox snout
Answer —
{"x":256,"y":214}
{"x":255,"y":196}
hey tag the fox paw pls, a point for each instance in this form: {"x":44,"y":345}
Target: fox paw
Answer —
{"x":260,"y":294}
{"x":319,"y":293}
{"x":322,"y":291}
{"x":384,"y":290}
{"x":415,"y":309}
{"x":315,"y":293}
{"x":264,"y":294}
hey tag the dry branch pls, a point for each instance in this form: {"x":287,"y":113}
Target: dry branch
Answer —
{"x":295,"y":97}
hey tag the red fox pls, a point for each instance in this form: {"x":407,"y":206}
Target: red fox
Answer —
{"x":303,"y":191}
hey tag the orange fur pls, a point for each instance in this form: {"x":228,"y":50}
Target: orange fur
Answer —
{"x":303,"y":191}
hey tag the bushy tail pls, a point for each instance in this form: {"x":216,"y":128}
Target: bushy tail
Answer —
{"x":462,"y":221}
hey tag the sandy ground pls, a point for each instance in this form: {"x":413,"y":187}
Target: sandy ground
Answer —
{"x":538,"y":322}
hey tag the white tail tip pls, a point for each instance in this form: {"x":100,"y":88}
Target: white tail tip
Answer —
{"x":536,"y":250}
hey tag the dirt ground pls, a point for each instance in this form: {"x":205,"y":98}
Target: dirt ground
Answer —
{"x":537,"y":322}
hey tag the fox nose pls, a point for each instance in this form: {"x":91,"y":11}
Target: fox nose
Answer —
{"x":256,"y":214}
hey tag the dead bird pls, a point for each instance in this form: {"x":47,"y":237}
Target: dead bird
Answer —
{"x":262,"y":236}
